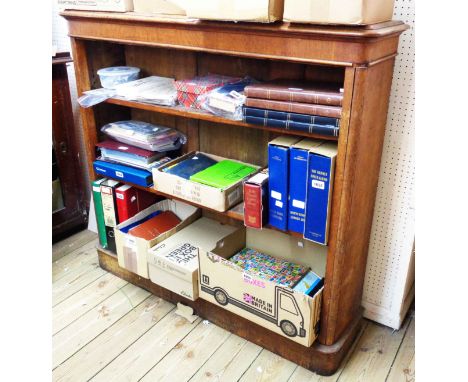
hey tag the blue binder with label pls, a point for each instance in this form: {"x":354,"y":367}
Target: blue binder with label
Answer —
{"x":125,"y":173}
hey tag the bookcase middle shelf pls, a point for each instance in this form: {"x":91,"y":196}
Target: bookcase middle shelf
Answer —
{"x":205,"y":116}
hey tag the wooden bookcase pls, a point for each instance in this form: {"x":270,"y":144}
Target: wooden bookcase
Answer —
{"x":361,"y":58}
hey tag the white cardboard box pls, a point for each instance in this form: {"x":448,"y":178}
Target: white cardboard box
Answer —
{"x":97,"y":5}
{"x":173,"y":263}
{"x":265,"y":11}
{"x":165,"y":7}
{"x":132,"y":251}
{"x":338,"y":11}
{"x":277,"y":308}
{"x":216,"y":198}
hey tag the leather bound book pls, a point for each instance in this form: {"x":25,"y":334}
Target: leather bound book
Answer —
{"x":297,"y":91}
{"x":156,"y":226}
{"x":295,"y":107}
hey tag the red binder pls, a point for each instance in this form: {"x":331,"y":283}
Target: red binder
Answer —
{"x":131,"y":200}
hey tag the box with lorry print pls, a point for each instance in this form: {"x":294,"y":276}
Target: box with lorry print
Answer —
{"x":278,"y":308}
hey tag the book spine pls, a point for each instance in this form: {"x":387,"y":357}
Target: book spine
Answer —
{"x":311,"y":97}
{"x":292,"y":117}
{"x":297,"y":189}
{"x":99,"y":212}
{"x":301,"y":108}
{"x":252,"y":205}
{"x":330,"y":131}
{"x":110,"y":215}
{"x":278,"y":163}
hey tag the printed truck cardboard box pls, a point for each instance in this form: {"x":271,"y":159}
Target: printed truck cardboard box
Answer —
{"x":280,"y":309}
{"x":216,"y":198}
{"x":298,"y":156}
{"x":173,"y":263}
{"x":132,"y":251}
{"x":320,"y":177}
{"x":266,"y":11}
{"x":97,"y":5}
{"x":338,"y":11}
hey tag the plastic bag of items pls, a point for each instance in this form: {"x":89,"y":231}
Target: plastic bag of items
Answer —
{"x":145,"y":135}
{"x":227,"y":101}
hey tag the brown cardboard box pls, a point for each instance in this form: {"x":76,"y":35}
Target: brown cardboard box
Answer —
{"x":282,"y":310}
{"x":165,"y":7}
{"x":265,"y":11}
{"x":211,"y":197}
{"x":338,"y":11}
{"x":173,"y":263}
{"x":132,"y":251}
{"x":97,"y":5}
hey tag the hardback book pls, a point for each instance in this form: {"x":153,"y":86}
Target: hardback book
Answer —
{"x":223,"y":174}
{"x":190,"y":166}
{"x":292,"y":117}
{"x":328,"y":130}
{"x":109,"y":205}
{"x":156,"y":226}
{"x":295,"y":107}
{"x":298,"y":157}
{"x":96,"y":185}
{"x":256,"y":200}
{"x":320,"y":176}
{"x":321,"y":93}
{"x":126,"y":153}
{"x":125,"y":173}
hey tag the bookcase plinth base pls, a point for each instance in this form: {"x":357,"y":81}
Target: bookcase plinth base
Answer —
{"x":324,"y":360}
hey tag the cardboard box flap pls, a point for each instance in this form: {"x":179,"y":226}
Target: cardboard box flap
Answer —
{"x":327,"y":150}
{"x":307,"y":144}
{"x":285,"y":141}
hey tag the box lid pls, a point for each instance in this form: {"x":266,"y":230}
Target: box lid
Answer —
{"x":201,"y":85}
{"x":284,"y":141}
{"x":307,"y":144}
{"x":178,"y":254}
{"x":328,"y":149}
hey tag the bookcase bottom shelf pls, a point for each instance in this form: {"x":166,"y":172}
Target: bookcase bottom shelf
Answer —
{"x":324,"y":360}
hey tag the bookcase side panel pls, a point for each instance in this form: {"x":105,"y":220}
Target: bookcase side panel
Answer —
{"x":347,"y":264}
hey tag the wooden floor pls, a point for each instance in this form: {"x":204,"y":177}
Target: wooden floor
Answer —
{"x":105,"y":329}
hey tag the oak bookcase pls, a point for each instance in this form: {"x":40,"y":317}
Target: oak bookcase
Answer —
{"x":360,"y":57}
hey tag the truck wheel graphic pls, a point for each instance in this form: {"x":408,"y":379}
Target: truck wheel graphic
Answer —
{"x":288,"y":328}
{"x":221,"y":297}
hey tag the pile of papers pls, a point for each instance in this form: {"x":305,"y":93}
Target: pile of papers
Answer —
{"x":153,"y":89}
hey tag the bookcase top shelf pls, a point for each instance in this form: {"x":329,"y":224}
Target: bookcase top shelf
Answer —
{"x":205,"y":116}
{"x":352,"y":44}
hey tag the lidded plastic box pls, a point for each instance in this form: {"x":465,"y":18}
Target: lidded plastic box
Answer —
{"x":115,"y":75}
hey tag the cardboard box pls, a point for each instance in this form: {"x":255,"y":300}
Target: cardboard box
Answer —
{"x":173,"y":263}
{"x":132,"y":251}
{"x":298,"y":157}
{"x":211,"y":197}
{"x":165,"y":7}
{"x":265,"y":11}
{"x":338,"y":11}
{"x":97,"y":5}
{"x":279,"y":309}
{"x":256,"y":200}
{"x":321,"y":172}
{"x":278,"y":167}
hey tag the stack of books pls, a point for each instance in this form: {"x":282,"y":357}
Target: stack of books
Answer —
{"x":310,"y":107}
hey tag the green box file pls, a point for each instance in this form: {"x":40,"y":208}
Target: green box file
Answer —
{"x":99,"y":212}
{"x":223,"y":174}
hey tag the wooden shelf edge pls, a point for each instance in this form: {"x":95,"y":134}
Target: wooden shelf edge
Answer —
{"x":322,"y":359}
{"x":179,"y":111}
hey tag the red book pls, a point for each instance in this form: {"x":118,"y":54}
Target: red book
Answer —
{"x":127,"y":202}
{"x":256,"y":201}
{"x":155,"y":226}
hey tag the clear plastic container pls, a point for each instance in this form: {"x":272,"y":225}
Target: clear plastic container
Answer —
{"x":115,"y":75}
{"x":145,"y":135}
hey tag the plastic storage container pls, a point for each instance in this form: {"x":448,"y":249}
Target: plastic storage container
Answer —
{"x":115,"y":75}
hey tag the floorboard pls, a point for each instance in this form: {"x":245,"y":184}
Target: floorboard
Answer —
{"x":108,"y":330}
